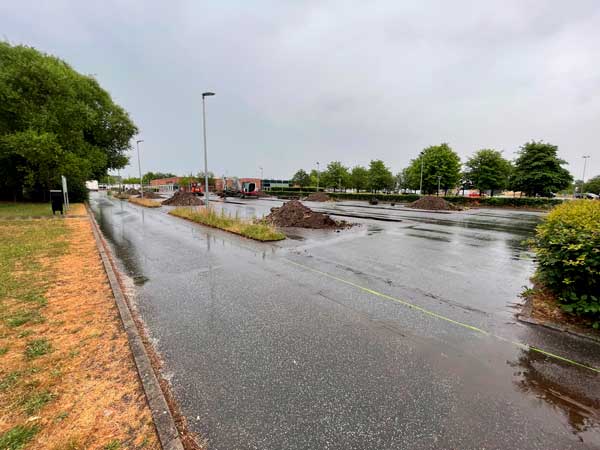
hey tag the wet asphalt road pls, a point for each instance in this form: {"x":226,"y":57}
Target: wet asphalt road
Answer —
{"x":307,"y":344}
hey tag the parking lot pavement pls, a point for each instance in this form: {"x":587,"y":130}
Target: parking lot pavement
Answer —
{"x":389,"y":335}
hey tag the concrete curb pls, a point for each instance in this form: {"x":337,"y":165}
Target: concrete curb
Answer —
{"x":163,"y":420}
{"x":526,"y":316}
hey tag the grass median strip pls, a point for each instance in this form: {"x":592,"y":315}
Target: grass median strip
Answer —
{"x":146,"y":202}
{"x":66,"y":371}
{"x":257,"y":230}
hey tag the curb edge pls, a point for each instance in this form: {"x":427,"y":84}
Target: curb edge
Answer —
{"x":161,"y":414}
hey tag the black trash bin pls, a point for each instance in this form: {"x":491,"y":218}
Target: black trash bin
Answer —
{"x":56,"y":198}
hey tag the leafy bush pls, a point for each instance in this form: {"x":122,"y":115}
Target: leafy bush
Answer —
{"x":568,"y":249}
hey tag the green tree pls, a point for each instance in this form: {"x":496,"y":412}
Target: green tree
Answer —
{"x":149,"y":176}
{"x":437,"y":161}
{"x":539,"y":171}
{"x":592,"y":185}
{"x":200,"y":178}
{"x":487,"y":170}
{"x":131,"y":180}
{"x":380,"y":177}
{"x":315,"y":178}
{"x":55,"y":121}
{"x":336,"y":176}
{"x":408,"y":179}
{"x":301,"y":178}
{"x":359,"y":178}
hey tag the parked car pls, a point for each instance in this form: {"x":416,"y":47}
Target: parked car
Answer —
{"x":588,"y":195}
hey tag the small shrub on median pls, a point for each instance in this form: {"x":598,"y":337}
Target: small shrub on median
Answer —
{"x":252,"y":229}
{"x":145,"y":202}
{"x":568,"y":250}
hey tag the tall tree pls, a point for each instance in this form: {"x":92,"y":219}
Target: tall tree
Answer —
{"x":408,"y":179}
{"x":440,"y":166}
{"x":380,"y":177}
{"x":488,"y":170}
{"x":539,"y":171}
{"x":55,"y":121}
{"x":359,"y":178}
{"x":301,"y":178}
{"x":592,"y":185}
{"x":336,"y":176}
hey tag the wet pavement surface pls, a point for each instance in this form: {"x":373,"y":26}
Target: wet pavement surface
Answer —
{"x":398,"y":333}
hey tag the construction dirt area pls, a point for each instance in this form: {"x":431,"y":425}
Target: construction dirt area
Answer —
{"x":295,"y":214}
{"x":181,"y":198}
{"x":318,"y":197}
{"x":432,"y":203}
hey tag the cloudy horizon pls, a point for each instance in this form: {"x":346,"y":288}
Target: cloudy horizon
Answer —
{"x":300,"y":82}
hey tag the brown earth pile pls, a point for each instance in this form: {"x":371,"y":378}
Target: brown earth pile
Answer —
{"x":132,"y":192}
{"x":318,"y":197}
{"x":295,"y":214}
{"x":434,"y":203}
{"x":181,"y":198}
{"x":151,"y":194}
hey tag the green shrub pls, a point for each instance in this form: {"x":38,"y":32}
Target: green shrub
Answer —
{"x":568,"y":249}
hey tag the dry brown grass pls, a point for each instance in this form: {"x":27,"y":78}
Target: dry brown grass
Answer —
{"x":145,"y":202}
{"x":84,"y":393}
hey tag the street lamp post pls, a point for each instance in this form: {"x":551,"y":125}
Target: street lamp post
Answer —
{"x":585,"y":159}
{"x":137,"y":143}
{"x":205,"y":94}
{"x":317,"y":176}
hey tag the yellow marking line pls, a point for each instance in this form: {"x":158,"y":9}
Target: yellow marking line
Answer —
{"x":444,"y":318}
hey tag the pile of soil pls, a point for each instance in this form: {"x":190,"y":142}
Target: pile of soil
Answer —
{"x":151,"y":194}
{"x":295,"y":214}
{"x":434,"y":203}
{"x":318,"y":197}
{"x":181,"y":198}
{"x":132,"y":192}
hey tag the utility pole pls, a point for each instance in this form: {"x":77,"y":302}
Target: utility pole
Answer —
{"x":205,"y":94}
{"x":317,"y":176}
{"x":421,"y":185}
{"x":585,"y":159}
{"x":140,"y":167}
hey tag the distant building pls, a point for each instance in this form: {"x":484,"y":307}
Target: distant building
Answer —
{"x":92,"y":185}
{"x":268,"y":184}
{"x":166,"y":184}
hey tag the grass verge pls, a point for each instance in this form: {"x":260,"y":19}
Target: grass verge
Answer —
{"x":10,"y":209}
{"x":66,"y":371}
{"x":145,"y":202}
{"x":259,"y":231}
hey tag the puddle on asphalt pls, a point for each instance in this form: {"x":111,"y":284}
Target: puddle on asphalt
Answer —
{"x":570,"y":391}
{"x":429,"y":237}
{"x":373,"y":229}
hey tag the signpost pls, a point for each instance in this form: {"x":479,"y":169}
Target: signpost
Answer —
{"x":65,"y":192}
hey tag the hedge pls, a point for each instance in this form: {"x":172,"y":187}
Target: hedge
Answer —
{"x":567,"y":244}
{"x":293,"y":189}
{"x":515,"y":202}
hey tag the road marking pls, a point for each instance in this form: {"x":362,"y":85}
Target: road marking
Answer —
{"x":444,"y":318}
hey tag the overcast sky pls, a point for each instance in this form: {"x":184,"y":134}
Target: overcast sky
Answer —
{"x":305,"y":81}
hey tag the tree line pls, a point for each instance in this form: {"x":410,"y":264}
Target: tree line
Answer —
{"x":55,"y":121}
{"x":536,"y":171}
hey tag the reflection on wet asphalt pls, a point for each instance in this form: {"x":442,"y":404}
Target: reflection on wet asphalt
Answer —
{"x":273,"y":346}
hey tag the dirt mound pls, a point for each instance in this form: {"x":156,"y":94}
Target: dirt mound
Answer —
{"x":181,"y":198}
{"x":434,"y":203}
{"x":318,"y":197}
{"x":295,"y":214}
{"x":132,"y":192}
{"x":150,"y":194}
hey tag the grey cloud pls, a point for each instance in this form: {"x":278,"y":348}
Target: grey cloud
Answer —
{"x":298,"y":82}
